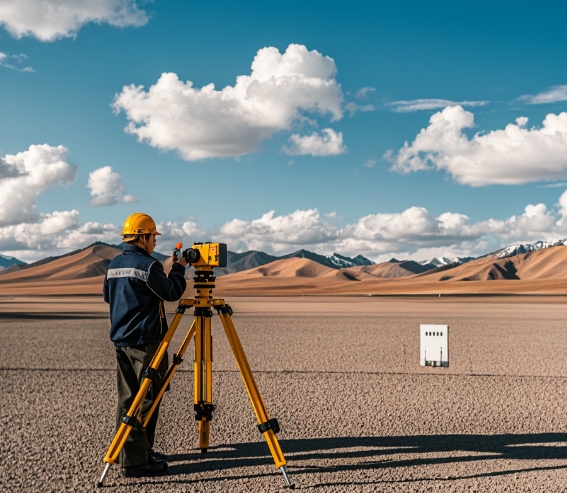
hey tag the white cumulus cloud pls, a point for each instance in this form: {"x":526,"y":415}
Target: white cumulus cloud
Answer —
{"x":277,"y":233}
{"x":329,"y":143}
{"x":48,"y":20}
{"x":429,"y":104}
{"x":552,"y":95}
{"x":173,"y":232}
{"x":413,"y":228}
{"x":24,"y":177}
{"x":512,"y":156}
{"x":27,"y":233}
{"x":562,"y":203}
{"x":205,"y":122}
{"x":107,"y":188}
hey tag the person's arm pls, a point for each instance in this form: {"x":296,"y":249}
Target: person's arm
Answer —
{"x":105,"y":290}
{"x":168,"y":288}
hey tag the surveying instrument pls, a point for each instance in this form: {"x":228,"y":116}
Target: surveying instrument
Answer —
{"x":204,"y":257}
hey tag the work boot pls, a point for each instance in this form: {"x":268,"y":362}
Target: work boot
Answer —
{"x":149,"y":468}
{"x":158,"y":456}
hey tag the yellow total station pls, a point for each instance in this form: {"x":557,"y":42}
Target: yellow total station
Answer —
{"x":204,"y":257}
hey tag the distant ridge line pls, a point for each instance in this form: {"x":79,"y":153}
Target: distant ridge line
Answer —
{"x":544,"y":261}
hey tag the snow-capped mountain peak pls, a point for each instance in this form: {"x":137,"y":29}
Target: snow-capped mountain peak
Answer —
{"x":342,"y":261}
{"x":442,"y":261}
{"x":512,"y":250}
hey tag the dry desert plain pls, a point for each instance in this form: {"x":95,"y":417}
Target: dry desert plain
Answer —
{"x":340,"y":373}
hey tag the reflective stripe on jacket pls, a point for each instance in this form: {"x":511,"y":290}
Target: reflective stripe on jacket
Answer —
{"x":136,"y":286}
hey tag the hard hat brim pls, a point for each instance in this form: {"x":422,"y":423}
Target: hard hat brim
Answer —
{"x":124,"y":233}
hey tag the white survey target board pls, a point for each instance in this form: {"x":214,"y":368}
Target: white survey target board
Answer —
{"x":434,"y":342}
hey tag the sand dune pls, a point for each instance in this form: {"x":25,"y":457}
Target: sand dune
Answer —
{"x":293,"y":267}
{"x":302,"y":267}
{"x":90,"y":262}
{"x":389,"y":270}
{"x":549,"y":263}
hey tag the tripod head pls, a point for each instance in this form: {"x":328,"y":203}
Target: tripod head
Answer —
{"x":204,"y":280}
{"x":204,"y":257}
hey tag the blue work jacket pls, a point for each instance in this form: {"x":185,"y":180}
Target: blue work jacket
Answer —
{"x":136,"y":286}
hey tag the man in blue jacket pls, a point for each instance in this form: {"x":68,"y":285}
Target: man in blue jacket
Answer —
{"x":136,"y":287}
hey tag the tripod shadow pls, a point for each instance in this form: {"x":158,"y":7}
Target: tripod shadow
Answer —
{"x":307,"y":456}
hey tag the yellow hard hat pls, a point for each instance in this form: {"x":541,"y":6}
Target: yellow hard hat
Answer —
{"x":139,"y":224}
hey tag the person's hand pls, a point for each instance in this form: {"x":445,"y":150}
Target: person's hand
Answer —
{"x":180,"y":261}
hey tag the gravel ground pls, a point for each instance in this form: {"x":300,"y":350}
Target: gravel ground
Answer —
{"x":357,"y":411}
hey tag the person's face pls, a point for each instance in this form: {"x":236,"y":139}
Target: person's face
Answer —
{"x":150,"y":244}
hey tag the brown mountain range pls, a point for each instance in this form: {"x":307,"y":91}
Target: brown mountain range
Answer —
{"x":543,"y":271}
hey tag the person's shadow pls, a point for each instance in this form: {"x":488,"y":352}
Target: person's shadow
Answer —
{"x":308,"y":455}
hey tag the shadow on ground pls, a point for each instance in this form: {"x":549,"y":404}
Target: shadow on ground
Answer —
{"x":373,"y":453}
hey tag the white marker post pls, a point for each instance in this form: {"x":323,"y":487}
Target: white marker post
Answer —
{"x":434,"y":341}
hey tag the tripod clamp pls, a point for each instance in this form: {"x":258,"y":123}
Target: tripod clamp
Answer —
{"x":271,"y":424}
{"x":133,"y":422}
{"x":224,"y":309}
{"x":176,"y":360}
{"x":150,"y":373}
{"x":203,"y":410}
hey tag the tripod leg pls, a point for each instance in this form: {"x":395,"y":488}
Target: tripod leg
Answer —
{"x":131,"y":419}
{"x":176,"y":361}
{"x":268,"y":427}
{"x":203,"y":381}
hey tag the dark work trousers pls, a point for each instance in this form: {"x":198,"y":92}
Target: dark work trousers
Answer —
{"x":132,"y":361}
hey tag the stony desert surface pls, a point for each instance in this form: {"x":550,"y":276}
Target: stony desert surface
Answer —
{"x":342,"y":376}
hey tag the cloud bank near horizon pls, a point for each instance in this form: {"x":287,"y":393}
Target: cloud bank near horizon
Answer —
{"x":411,"y":234}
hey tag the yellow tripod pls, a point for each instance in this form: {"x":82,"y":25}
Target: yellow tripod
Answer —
{"x":200,"y":329}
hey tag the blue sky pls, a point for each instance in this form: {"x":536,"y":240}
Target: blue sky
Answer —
{"x":315,"y":133}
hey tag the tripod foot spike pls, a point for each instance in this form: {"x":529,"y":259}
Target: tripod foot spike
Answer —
{"x":99,"y":484}
{"x":286,"y":477}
